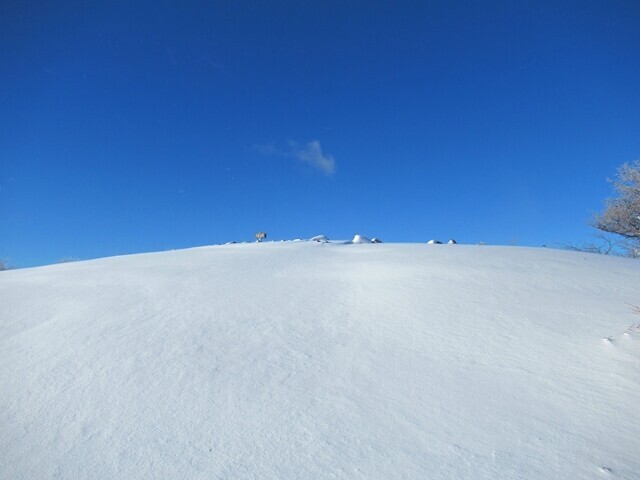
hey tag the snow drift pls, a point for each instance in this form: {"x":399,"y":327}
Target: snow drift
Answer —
{"x":321,"y":360}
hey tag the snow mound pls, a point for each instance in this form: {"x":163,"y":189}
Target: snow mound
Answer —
{"x":361,"y":239}
{"x":452,"y":242}
{"x":376,"y":240}
{"x":285,"y":360}
{"x":434,"y":242}
{"x":319,"y":238}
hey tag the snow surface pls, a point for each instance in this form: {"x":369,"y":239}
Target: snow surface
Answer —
{"x":321,"y":360}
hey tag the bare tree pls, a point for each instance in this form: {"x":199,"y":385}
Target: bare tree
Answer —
{"x":603,"y":244}
{"x":622,"y":213}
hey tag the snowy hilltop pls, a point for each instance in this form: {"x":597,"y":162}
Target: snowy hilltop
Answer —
{"x":316,"y":359}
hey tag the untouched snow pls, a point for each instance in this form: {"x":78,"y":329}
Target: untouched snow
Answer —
{"x":320,"y":360}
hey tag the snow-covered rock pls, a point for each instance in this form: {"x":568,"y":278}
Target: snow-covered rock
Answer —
{"x":320,"y":239}
{"x":434,"y":242}
{"x":360,"y":239}
{"x":452,"y":242}
{"x":376,"y":240}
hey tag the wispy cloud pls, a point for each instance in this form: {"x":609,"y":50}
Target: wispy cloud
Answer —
{"x":267,"y":150}
{"x":311,"y":154}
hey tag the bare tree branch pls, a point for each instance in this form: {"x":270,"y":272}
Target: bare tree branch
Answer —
{"x":622,"y":214}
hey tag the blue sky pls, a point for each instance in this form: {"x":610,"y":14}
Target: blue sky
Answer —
{"x":140,"y":126}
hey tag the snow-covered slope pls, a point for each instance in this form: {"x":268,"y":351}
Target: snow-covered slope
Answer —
{"x":320,"y":360}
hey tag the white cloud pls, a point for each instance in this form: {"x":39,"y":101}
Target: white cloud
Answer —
{"x":312,"y":154}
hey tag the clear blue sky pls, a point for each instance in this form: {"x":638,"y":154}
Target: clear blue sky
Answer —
{"x":147,"y":125}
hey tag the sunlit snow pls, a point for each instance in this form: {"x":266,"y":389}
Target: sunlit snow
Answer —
{"x":314,"y":359}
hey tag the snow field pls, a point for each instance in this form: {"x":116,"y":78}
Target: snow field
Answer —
{"x":322,"y":360}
